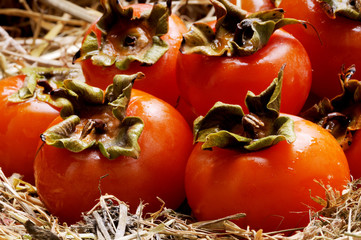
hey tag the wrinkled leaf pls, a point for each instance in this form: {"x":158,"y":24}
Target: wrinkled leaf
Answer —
{"x":60,"y":135}
{"x":88,"y":94}
{"x":143,"y":49}
{"x":236,"y":33}
{"x":126,"y":141}
{"x":267,"y":102}
{"x":341,"y":115}
{"x":226,"y":125}
{"x":41,"y":83}
{"x":347,"y":8}
{"x":89,"y":47}
{"x":27,"y":91}
{"x":77,"y":133}
{"x":118,"y":94}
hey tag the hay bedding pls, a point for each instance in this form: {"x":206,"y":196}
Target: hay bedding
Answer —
{"x":48,"y":33}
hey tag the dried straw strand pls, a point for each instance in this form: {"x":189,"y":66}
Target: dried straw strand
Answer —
{"x":72,"y":9}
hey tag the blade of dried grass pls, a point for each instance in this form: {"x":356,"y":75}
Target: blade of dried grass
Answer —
{"x":38,"y":60}
{"x":101,"y":226}
{"x":7,"y":185}
{"x":218,"y":223}
{"x":122,"y":221}
{"x":10,"y":41}
{"x":3,"y":66}
{"x":35,"y":15}
{"x":48,"y":37}
{"x":72,"y":9}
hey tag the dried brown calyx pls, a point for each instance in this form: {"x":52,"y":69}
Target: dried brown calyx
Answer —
{"x":126,"y":38}
{"x":100,"y":119}
{"x":347,"y":8}
{"x":237,"y":33}
{"x":227,"y":126}
{"x":342,"y":114}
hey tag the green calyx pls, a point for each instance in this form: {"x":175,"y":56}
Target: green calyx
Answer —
{"x":347,"y":8}
{"x":227,"y":126}
{"x":40,"y":83}
{"x":237,"y":33}
{"x":101,"y":120}
{"x":126,"y":38}
{"x":341,"y":116}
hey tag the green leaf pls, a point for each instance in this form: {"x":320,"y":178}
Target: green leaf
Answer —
{"x":220,"y":117}
{"x":118,"y":94}
{"x":88,"y":94}
{"x":89,"y":47}
{"x":113,"y":13}
{"x":41,"y":83}
{"x":226,"y":125}
{"x":224,"y":139}
{"x":267,"y":102}
{"x":149,"y":57}
{"x":27,"y":91}
{"x":60,"y":136}
{"x":117,"y":21}
{"x":126,"y":141}
{"x":200,"y":39}
{"x":158,"y":20}
{"x":236,"y":33}
{"x":98,"y":114}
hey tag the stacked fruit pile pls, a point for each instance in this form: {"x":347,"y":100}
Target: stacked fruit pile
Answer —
{"x":256,"y":112}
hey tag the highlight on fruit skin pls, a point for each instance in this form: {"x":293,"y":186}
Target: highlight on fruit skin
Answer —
{"x":244,"y":162}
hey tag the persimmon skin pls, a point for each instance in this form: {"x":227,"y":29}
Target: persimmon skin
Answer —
{"x":353,"y":155}
{"x":270,"y":186}
{"x":20,"y":127}
{"x":204,"y":80}
{"x":70,"y":183}
{"x":160,"y":78}
{"x":340,"y":43}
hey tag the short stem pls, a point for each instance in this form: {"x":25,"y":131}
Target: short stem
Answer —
{"x":96,"y":124}
{"x":253,"y":125}
{"x":45,"y":84}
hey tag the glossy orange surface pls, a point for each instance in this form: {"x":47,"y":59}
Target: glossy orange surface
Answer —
{"x":340,"y":39}
{"x":70,"y":183}
{"x":160,"y":78}
{"x":20,"y":127}
{"x":272,"y":186}
{"x":204,"y":80}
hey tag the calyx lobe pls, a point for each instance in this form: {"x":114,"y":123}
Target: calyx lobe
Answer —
{"x":101,"y":120}
{"x":126,"y":38}
{"x":347,"y":8}
{"x":237,"y":33}
{"x":341,"y":115}
{"x":40,"y":83}
{"x":227,"y":126}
